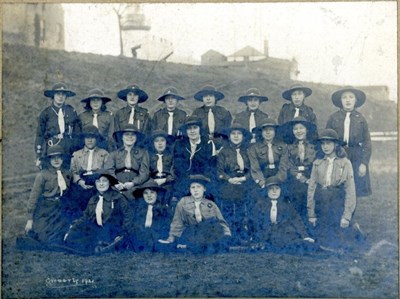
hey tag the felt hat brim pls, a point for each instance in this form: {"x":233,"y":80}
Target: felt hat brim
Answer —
{"x":287,"y":94}
{"x":104,"y":99}
{"x":337,"y":97}
{"x":141,"y":93}
{"x":243,"y":99}
{"x":51,"y":93}
{"x":200,"y":94}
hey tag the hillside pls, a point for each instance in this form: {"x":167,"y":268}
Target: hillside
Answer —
{"x":28,"y":71}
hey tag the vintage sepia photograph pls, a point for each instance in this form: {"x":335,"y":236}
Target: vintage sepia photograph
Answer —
{"x":200,"y":150}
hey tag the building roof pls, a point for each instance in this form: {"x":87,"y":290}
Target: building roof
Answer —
{"x":212,"y":53}
{"x":247,"y":52}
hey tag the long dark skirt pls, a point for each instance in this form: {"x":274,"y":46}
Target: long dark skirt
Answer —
{"x":298,"y":198}
{"x":49,"y":221}
{"x":329,"y":207}
{"x":363,"y":184}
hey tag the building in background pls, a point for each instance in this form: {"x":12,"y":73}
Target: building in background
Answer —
{"x":37,"y":24}
{"x":251,"y":58}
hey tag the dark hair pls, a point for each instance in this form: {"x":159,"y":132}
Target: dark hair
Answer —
{"x":102,"y":108}
{"x":339,"y":150}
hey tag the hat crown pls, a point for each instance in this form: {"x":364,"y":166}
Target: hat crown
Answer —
{"x":157,"y":133}
{"x":96,"y":92}
{"x":129,"y":128}
{"x":60,"y":86}
{"x":296,"y":86}
{"x":328,"y":134}
{"x":253,"y":92}
{"x":208,"y":87}
{"x":199,"y":177}
{"x":268,"y":122}
{"x":273,"y":180}
{"x":299,"y":119}
{"x":55,"y":150}
{"x":191,"y":120}
{"x":90,"y":130}
{"x":171,"y":91}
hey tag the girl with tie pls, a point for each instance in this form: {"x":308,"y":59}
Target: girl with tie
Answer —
{"x":96,"y":114}
{"x":46,"y":219}
{"x":193,"y":154}
{"x":83,"y":164}
{"x":198,"y":222}
{"x":106,"y":223}
{"x":352,"y":128}
{"x":130,"y":162}
{"x":151,"y":217}
{"x":58,"y":124}
{"x":266,"y":153}
{"x":298,"y":161}
{"x":296,"y":95}
{"x":214,"y":118}
{"x":161,"y":163}
{"x":274,"y":225}
{"x":331,"y":197}
{"x":170,"y":118}
{"x":234,"y":179}
{"x":132,"y":114}
{"x":252,"y":116}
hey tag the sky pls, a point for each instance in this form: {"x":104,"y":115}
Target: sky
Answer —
{"x":339,"y":43}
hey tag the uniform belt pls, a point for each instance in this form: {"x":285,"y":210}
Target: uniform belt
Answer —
{"x":126,"y":170}
{"x":56,"y":198}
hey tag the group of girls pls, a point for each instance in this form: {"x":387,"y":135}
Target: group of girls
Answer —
{"x":207,"y":181}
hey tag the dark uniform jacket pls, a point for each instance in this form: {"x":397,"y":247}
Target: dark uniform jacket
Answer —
{"x":105,"y":120}
{"x":288,"y":110}
{"x":141,"y":119}
{"x":222,"y":117}
{"x":48,"y":129}
{"x":79,"y":161}
{"x":160,"y":120}
{"x":46,"y":185}
{"x":138,"y":173}
{"x":168,"y":166}
{"x":359,"y":148}
{"x":227,"y":166}
{"x":260,"y":167}
{"x":201,"y":163}
{"x":288,"y":223}
{"x":359,"y":133}
{"x":243,"y":118}
{"x":116,"y":212}
{"x":291,"y":161}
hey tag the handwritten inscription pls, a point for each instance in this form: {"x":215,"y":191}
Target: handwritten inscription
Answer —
{"x":68,"y":282}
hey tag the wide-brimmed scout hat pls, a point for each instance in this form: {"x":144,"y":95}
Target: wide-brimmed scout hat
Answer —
{"x":331,"y":135}
{"x":148,"y":185}
{"x":103,"y":172}
{"x":96,"y":93}
{"x":287,"y":128}
{"x":90,"y":131}
{"x":287,"y":94}
{"x":273,"y":180}
{"x":337,"y":96}
{"x":207,"y":90}
{"x":236,"y":126}
{"x":267,"y":122}
{"x":252,"y":93}
{"x":128,"y":128}
{"x":171,"y":91}
{"x":199,"y":178}
{"x":160,"y":133}
{"x":190,"y":121}
{"x":55,"y":150}
{"x":59,"y":87}
{"x":135,"y":89}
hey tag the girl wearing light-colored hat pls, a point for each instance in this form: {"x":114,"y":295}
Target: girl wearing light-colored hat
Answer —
{"x":96,"y":114}
{"x":352,"y":128}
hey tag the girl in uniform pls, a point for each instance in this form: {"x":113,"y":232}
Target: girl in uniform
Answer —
{"x":352,"y":128}
{"x":97,"y":115}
